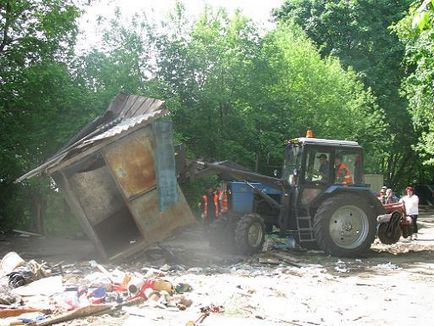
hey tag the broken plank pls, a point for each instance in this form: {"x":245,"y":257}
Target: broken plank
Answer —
{"x":286,"y":258}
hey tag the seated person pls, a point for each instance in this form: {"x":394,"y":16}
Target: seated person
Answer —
{"x":343,"y":173}
{"x":382,"y":195}
{"x":323,"y":167}
{"x":390,"y":197}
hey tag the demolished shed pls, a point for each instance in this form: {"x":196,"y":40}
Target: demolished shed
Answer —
{"x":118,"y":176}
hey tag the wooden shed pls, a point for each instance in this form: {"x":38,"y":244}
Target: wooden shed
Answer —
{"x":118,"y":176}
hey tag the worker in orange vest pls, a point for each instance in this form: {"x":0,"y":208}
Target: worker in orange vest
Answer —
{"x":210,"y":206}
{"x":223,"y":200}
{"x":343,"y":174}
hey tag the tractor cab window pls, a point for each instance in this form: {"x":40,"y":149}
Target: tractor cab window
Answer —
{"x":348,"y":166}
{"x":317,"y":166}
{"x":291,"y":165}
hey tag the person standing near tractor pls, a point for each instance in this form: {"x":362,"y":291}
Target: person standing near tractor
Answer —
{"x":223,"y":199}
{"x":411,"y":202}
{"x":210,"y":206}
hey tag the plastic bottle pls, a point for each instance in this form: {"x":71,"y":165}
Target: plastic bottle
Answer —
{"x":135,"y":285}
{"x":291,"y":242}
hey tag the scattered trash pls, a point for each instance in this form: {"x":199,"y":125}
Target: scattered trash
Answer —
{"x":286,"y":258}
{"x":46,"y":286}
{"x":204,"y":313}
{"x":27,"y":273}
{"x":19,"y":311}
{"x":388,"y":265}
{"x":183,"y":287}
{"x":341,"y":267}
{"x":98,"y":291}
{"x":9,"y":262}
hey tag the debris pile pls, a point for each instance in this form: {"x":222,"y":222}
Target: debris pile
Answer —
{"x":38,"y":294}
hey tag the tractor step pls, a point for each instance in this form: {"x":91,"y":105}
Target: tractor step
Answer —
{"x":308,"y":237}
{"x":304,"y":218}
{"x":305,"y":229}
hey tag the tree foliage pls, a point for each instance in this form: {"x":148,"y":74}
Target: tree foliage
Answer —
{"x":416,"y":30}
{"x":37,"y":97}
{"x":240,"y":96}
{"x":358,"y":33}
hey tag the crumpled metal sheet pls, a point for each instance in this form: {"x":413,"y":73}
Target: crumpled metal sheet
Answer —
{"x":125,"y":125}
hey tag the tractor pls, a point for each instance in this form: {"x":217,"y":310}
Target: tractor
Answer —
{"x":308,"y":201}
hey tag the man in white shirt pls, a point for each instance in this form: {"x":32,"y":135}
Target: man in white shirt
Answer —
{"x":411,"y":202}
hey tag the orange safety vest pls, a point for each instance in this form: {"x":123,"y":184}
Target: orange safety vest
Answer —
{"x":343,"y":174}
{"x":205,"y":204}
{"x":223,"y":199}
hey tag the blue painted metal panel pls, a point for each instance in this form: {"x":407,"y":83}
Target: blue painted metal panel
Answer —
{"x":243,"y":195}
{"x":165,"y":164}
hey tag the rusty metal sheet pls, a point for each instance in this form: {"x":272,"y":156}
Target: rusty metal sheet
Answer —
{"x":146,"y":212}
{"x":125,"y":125}
{"x":155,"y":225}
{"x":132,"y":163}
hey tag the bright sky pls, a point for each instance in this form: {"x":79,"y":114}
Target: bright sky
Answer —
{"x":258,"y":10}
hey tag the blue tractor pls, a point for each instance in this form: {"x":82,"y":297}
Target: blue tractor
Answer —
{"x":320,"y":199}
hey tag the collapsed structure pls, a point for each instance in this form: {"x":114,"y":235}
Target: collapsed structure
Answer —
{"x":118,"y":176}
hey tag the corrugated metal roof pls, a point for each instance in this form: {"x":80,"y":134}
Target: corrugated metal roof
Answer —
{"x":125,"y":125}
{"x":124,"y":113}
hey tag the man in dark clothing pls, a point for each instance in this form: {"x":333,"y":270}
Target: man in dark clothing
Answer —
{"x":323,"y":167}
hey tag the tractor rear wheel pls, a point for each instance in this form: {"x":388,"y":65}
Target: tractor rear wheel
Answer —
{"x":344,"y":225}
{"x":250,"y":234}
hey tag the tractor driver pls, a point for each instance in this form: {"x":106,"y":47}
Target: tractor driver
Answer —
{"x":323,"y":166}
{"x":343,"y":173}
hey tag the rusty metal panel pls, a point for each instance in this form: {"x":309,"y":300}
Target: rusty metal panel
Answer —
{"x":146,"y":212}
{"x":155,"y":225}
{"x":132,"y":163}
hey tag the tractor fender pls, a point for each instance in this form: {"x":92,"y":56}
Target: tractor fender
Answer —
{"x":362,"y":192}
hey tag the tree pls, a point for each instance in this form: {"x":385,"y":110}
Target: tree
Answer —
{"x":310,"y":91}
{"x":242,"y":96}
{"x":416,"y":30}
{"x":36,"y":94}
{"x":357,"y":32}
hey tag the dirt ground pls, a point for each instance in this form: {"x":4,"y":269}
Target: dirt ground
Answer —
{"x":391,"y":285}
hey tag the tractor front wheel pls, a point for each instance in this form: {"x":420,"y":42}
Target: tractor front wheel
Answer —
{"x":250,"y":234}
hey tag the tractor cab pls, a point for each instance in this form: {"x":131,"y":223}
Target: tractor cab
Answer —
{"x":317,"y":163}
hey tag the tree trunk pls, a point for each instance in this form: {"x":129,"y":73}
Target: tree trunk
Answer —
{"x":39,"y":207}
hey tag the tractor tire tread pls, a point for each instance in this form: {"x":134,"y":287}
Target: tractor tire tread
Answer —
{"x":241,"y":233}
